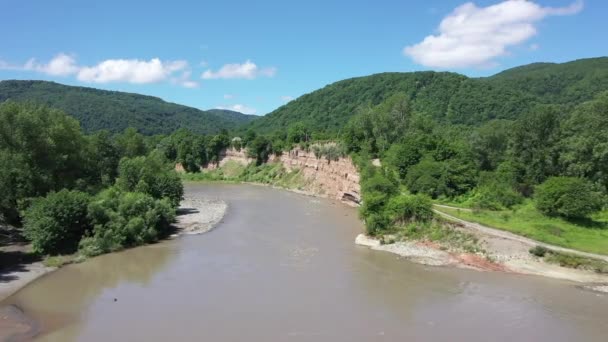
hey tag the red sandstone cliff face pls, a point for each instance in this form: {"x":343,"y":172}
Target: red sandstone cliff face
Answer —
{"x":332,"y":179}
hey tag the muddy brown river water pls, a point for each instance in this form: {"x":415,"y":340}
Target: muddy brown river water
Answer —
{"x":284,"y":267}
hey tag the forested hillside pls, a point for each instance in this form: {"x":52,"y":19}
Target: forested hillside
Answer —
{"x":446,"y":97}
{"x":114,"y":111}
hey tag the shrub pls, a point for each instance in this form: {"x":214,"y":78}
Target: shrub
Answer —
{"x":150,"y":175}
{"x":408,"y":208}
{"x":56,"y":222}
{"x":376,"y":222}
{"x":494,"y":193}
{"x":539,"y":251}
{"x":124,"y":219}
{"x":569,"y":197}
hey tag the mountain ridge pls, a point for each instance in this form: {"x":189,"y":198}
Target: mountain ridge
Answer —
{"x":98,"y":109}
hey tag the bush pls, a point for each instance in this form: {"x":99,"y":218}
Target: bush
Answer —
{"x":569,"y":197}
{"x":376,"y":222}
{"x":150,"y":175}
{"x":495,"y":192}
{"x":125,"y":219}
{"x":539,"y":251}
{"x":56,"y":223}
{"x":408,"y":208}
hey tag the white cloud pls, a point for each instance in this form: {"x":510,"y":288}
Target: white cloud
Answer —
{"x":239,"y":108}
{"x":130,"y":70}
{"x":184,"y":80}
{"x":60,"y":65}
{"x":474,"y":36}
{"x":286,"y":98}
{"x":247,"y":70}
{"x":112,"y":70}
{"x":229,"y":96}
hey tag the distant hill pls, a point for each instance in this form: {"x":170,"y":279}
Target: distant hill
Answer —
{"x":447,"y":97}
{"x":113,"y":110}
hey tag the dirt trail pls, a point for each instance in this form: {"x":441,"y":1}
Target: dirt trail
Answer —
{"x":510,"y":236}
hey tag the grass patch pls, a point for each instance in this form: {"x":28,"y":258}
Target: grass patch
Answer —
{"x":62,"y":260}
{"x":589,"y":236}
{"x":440,"y":232}
{"x":570,"y":260}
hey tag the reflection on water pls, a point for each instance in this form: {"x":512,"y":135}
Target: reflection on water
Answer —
{"x":282,"y":267}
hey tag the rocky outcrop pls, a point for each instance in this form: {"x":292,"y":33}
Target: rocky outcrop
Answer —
{"x":333,"y":179}
{"x":337,"y":179}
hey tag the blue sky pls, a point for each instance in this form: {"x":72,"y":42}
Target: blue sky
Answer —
{"x":254,"y":56}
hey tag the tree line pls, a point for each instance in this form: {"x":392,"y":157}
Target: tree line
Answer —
{"x":74,"y":192}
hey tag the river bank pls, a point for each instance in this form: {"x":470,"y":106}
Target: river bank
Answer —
{"x":196,"y":215}
{"x":501,"y":252}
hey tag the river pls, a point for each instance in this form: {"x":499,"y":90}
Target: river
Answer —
{"x":284,"y":267}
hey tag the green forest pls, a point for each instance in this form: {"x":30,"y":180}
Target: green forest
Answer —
{"x":528,"y":142}
{"x":115,"y":111}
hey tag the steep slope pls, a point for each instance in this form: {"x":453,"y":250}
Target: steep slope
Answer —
{"x":112,"y":110}
{"x":447,"y":97}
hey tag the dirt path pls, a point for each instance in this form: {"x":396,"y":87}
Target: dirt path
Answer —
{"x":450,"y":207}
{"x":510,"y":236}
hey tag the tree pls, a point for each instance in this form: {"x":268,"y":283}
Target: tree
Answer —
{"x":41,"y":150}
{"x":402,"y":209}
{"x":56,"y":223}
{"x":569,"y":197}
{"x":131,"y":143}
{"x":298,"y":132}
{"x":150,"y":175}
{"x":104,"y":157}
{"x":534,"y":144}
{"x":125,"y":219}
{"x":584,"y":148}
{"x":260,"y":149}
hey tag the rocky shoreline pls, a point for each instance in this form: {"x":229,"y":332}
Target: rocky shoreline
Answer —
{"x":502,"y":256}
{"x":199,"y":215}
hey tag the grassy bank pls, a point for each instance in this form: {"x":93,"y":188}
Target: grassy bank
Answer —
{"x":436,"y":231}
{"x":270,"y":173}
{"x":585,"y":235}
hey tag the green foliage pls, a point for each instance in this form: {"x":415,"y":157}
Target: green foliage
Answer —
{"x":330,"y":151}
{"x":446,"y":178}
{"x":440,"y":232}
{"x":495,"y":191}
{"x":408,"y":208}
{"x":216,"y":146}
{"x":445,"y":97}
{"x":377,"y":190}
{"x":578,"y":262}
{"x":150,"y":175}
{"x":131,"y":143}
{"x":297,"y":133}
{"x":56,"y":223}
{"x":125,"y":219}
{"x":115,"y":111}
{"x":41,"y":150}
{"x":585,"y":142}
{"x":569,"y":197}
{"x":260,"y":149}
{"x":526,"y":220}
{"x":104,"y":155}
{"x":539,"y":251}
